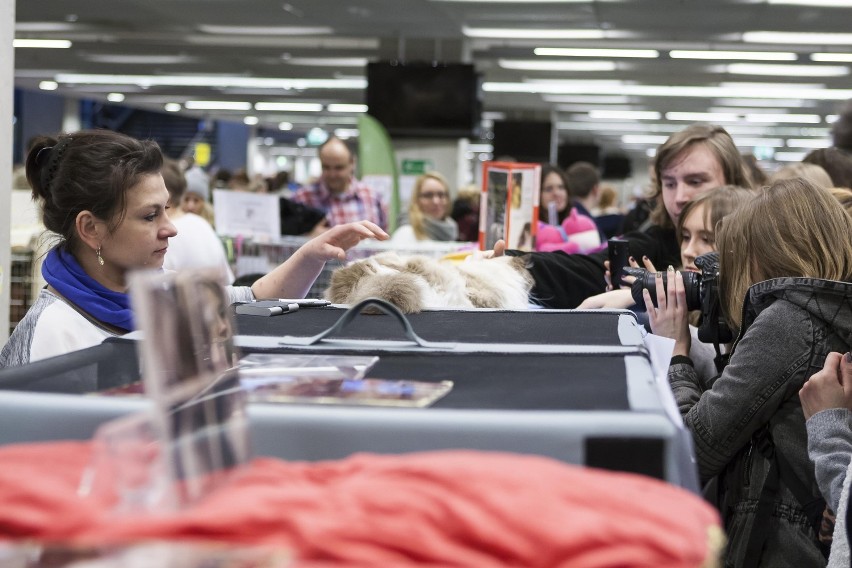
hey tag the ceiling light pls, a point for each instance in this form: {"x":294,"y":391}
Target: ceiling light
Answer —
{"x":42,"y":43}
{"x":251,"y":120}
{"x":746,"y":110}
{"x":575,"y":52}
{"x":171,"y":107}
{"x":338,"y":107}
{"x":790,"y":118}
{"x":210,"y":81}
{"x":643,"y":139}
{"x":618,"y":127}
{"x":808,"y":143}
{"x":787,"y":70}
{"x":624,"y":115}
{"x":44,"y":27}
{"x":519,"y":1}
{"x":520,"y":33}
{"x":138,"y":59}
{"x":293,"y":107}
{"x":789,"y":156}
{"x":115,"y":97}
{"x":285,"y":126}
{"x":48,"y":85}
{"x":600,"y":100}
{"x":726,"y":55}
{"x":821,"y":3}
{"x":702,"y":116}
{"x":265,"y":30}
{"x":536,"y":65}
{"x":217,"y":105}
{"x":328,"y":61}
{"x":832,"y":57}
{"x":831,"y":118}
{"x":785,"y":103}
{"x":588,"y":107}
{"x":752,"y":142}
{"x":797,"y":38}
{"x":345,"y":133}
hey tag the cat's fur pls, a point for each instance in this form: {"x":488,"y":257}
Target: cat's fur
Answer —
{"x":413,"y":283}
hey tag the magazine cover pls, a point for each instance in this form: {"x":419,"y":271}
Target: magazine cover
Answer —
{"x":509,"y":205}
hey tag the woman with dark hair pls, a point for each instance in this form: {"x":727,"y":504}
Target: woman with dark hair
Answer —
{"x":561,"y":226}
{"x":103,"y":195}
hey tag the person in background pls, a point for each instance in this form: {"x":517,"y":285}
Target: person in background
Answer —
{"x":608,"y":216}
{"x":837,"y":162}
{"x":561,"y":226}
{"x":196,"y":244}
{"x":813,"y":172}
{"x":196,"y":199}
{"x":690,"y":162}
{"x":343,"y":198}
{"x":844,"y":196}
{"x":105,"y":198}
{"x":758,"y":176}
{"x":785,"y":281}
{"x":827,"y":405}
{"x":466,"y":212}
{"x":428,"y":216}
{"x":583,"y":183}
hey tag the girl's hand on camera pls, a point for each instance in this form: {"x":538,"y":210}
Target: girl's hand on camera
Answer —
{"x":669,"y":318}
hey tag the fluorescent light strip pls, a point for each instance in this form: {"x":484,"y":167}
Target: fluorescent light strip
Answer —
{"x":767,"y":91}
{"x":172,"y":107}
{"x":703,"y":116}
{"x":115,"y":97}
{"x":288,"y":107}
{"x":536,"y":65}
{"x":797,"y":38}
{"x":577,"y":52}
{"x":787,"y":70}
{"x":42,"y":43}
{"x":643,"y":139}
{"x":808,"y":142}
{"x":251,"y":120}
{"x":520,"y":33}
{"x":789,"y":118}
{"x":345,"y":133}
{"x":285,"y":126}
{"x":831,"y":118}
{"x":820,"y":3}
{"x":328,"y":61}
{"x":340,"y":107}
{"x":832,"y":57}
{"x":752,"y":142}
{"x":728,"y":55}
{"x":789,"y":156}
{"x":265,"y":30}
{"x":217,"y":105}
{"x":624,"y":115}
{"x":747,"y":110}
{"x":785,"y":103}
{"x":600,"y":100}
{"x":589,"y":107}
{"x":48,"y":85}
{"x":211,"y":81}
{"x":138,"y":59}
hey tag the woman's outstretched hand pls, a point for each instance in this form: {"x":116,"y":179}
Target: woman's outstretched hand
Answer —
{"x":333,"y":243}
{"x":669,"y":318}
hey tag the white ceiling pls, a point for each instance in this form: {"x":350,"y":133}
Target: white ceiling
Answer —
{"x":192,"y":38}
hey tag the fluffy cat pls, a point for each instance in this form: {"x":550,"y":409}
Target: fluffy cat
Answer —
{"x":413,"y":283}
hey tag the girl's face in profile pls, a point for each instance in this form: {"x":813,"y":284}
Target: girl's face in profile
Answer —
{"x":553,"y":189}
{"x":696,"y":238}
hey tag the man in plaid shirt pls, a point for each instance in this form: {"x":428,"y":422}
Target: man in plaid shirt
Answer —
{"x":343,"y":198}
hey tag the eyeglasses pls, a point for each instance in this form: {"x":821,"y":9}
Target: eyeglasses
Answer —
{"x":430,"y":195}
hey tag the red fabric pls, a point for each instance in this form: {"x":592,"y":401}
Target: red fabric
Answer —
{"x":460,"y":508}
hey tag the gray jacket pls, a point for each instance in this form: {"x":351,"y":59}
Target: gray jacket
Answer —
{"x":789,"y":326}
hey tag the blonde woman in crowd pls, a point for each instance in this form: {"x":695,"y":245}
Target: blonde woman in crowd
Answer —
{"x":428,"y":216}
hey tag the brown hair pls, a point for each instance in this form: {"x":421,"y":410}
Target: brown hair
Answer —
{"x":415,"y":214}
{"x":87,"y":170}
{"x":175,"y":181}
{"x":791,"y":228}
{"x":837,"y":162}
{"x":581,"y":178}
{"x":720,"y":202}
{"x":813,"y":172}
{"x":717,"y":140}
{"x":543,"y":213}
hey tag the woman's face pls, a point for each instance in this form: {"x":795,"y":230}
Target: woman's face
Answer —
{"x":433,"y":198}
{"x":192,"y":203}
{"x":142,"y":237}
{"x":697,"y":239}
{"x":553,"y":190}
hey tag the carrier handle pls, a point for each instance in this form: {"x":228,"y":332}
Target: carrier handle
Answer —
{"x":356,"y":310}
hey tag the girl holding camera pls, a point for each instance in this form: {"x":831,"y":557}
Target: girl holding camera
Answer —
{"x":786,"y":284}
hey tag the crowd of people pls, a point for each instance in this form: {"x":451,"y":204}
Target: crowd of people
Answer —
{"x":770,"y":410}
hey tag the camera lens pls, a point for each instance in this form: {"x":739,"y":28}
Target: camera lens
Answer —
{"x":648,"y":281}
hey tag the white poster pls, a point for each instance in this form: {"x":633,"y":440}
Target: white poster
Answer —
{"x":238,"y":213}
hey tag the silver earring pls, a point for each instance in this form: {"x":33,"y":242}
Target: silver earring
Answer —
{"x":100,"y":258}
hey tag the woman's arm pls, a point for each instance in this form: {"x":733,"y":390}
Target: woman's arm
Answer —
{"x":751,"y":389}
{"x":295,"y":276}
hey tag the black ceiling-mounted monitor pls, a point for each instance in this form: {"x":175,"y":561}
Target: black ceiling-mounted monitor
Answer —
{"x":425,"y":99}
{"x":522,"y":140}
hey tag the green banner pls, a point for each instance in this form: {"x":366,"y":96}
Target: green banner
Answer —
{"x":377,"y":158}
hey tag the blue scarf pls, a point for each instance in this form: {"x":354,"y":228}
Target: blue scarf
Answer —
{"x":62,"y":271}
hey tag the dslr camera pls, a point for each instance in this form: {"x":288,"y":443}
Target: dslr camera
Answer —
{"x":702,"y":293}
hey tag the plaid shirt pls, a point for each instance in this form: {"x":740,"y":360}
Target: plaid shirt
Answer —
{"x":357,"y":203}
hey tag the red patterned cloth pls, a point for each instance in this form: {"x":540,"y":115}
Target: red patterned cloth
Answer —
{"x":459,"y":508}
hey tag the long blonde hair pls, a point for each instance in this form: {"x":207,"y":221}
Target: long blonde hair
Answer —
{"x":415,"y":214}
{"x":791,"y":228}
